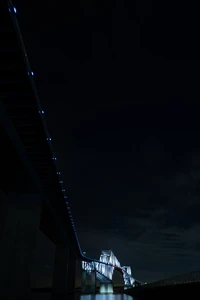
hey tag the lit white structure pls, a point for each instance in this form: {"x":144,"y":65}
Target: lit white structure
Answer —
{"x":104,"y":269}
{"x":129,"y":281}
{"x":106,"y":288}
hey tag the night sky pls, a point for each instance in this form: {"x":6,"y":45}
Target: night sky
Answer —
{"x":119,"y":84}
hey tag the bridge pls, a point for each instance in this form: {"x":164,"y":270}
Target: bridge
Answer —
{"x":32,"y":190}
{"x":191,"y":277}
{"x":103,"y":270}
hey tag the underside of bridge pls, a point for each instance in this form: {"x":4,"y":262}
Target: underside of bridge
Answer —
{"x":19,"y":116}
{"x":15,"y":178}
{"x":30,"y":189}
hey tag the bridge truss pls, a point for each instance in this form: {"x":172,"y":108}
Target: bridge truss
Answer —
{"x":105,"y":266}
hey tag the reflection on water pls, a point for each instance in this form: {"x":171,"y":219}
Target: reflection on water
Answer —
{"x":47,"y":296}
{"x":106,"y":297}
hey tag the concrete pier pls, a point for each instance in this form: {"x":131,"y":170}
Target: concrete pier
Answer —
{"x":83,"y":281}
{"x":93,"y":283}
{"x":106,"y":288}
{"x":64,"y":272}
{"x":89,"y":288}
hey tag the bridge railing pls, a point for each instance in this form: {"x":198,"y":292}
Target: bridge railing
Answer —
{"x":191,"y":277}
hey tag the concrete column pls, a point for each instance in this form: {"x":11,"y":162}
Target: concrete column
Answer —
{"x":93,"y":283}
{"x":71,"y":272}
{"x":59,"y":286}
{"x":17,"y":241}
{"x":83,"y":281}
{"x":64,"y":272}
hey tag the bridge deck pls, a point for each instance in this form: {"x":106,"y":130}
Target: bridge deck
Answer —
{"x":28,"y":131}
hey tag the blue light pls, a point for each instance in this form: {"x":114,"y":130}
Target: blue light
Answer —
{"x":58,"y":173}
{"x":61,"y":181}
{"x":48,"y":139}
{"x":63,"y":190}
{"x":41,"y":112}
{"x":65,"y":197}
{"x":66,"y":203}
{"x":9,"y":10}
{"x":15,"y":10}
{"x":32,"y":73}
{"x":54,"y":158}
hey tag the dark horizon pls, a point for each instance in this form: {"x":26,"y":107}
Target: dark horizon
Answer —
{"x":119,"y":87}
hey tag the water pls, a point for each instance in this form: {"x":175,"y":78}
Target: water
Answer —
{"x":106,"y":297}
{"x":47,"y":296}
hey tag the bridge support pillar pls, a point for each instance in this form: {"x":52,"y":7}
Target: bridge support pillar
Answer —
{"x":83,"y":281}
{"x":71,"y":272}
{"x":88,"y":289}
{"x":106,"y":288}
{"x":93,"y":283}
{"x":64,"y":273}
{"x":17,"y":241}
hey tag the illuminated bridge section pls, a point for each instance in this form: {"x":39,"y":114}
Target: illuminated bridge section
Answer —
{"x":128,"y":279}
{"x":105,"y":267}
{"x":191,"y":277}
